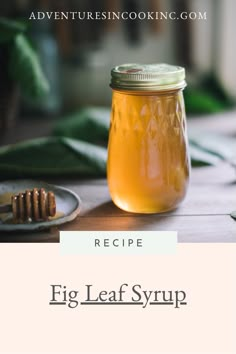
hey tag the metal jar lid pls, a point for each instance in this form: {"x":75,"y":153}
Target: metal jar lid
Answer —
{"x":152,"y":77}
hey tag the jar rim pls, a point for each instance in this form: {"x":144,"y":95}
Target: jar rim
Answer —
{"x":148,"y":77}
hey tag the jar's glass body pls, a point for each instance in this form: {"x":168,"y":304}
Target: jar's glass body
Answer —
{"x":148,"y":162}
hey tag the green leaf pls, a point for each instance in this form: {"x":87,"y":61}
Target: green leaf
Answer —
{"x":64,"y":157}
{"x":92,"y":124}
{"x":233,"y":214}
{"x":202,"y":158}
{"x":211,"y":83}
{"x":9,"y":29}
{"x":57,"y":157}
{"x":216,"y":144}
{"x":89,"y":124}
{"x":199,"y":102}
{"x":25,"y":68}
{"x":93,"y":155}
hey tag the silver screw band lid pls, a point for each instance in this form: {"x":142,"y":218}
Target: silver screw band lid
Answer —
{"x":151,"y":77}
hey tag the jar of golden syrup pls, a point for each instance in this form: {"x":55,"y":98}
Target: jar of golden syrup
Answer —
{"x":148,"y":161}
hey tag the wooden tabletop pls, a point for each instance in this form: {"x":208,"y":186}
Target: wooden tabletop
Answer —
{"x":204,"y":216}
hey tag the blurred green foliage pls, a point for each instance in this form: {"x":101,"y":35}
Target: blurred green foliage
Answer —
{"x":52,"y":156}
{"x":207,"y":97}
{"x":23,"y":63}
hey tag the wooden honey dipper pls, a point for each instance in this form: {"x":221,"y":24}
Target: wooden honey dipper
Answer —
{"x":35,"y":205}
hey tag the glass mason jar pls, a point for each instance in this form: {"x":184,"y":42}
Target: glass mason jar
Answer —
{"x":148,"y":161}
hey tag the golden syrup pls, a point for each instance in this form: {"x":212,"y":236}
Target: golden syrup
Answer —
{"x":148,"y":163}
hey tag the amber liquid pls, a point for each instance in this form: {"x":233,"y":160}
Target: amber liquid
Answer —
{"x":148,"y":163}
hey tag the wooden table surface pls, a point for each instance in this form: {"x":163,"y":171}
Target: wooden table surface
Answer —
{"x":202,"y":217}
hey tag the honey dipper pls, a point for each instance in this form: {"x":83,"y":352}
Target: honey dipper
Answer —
{"x":35,"y":205}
